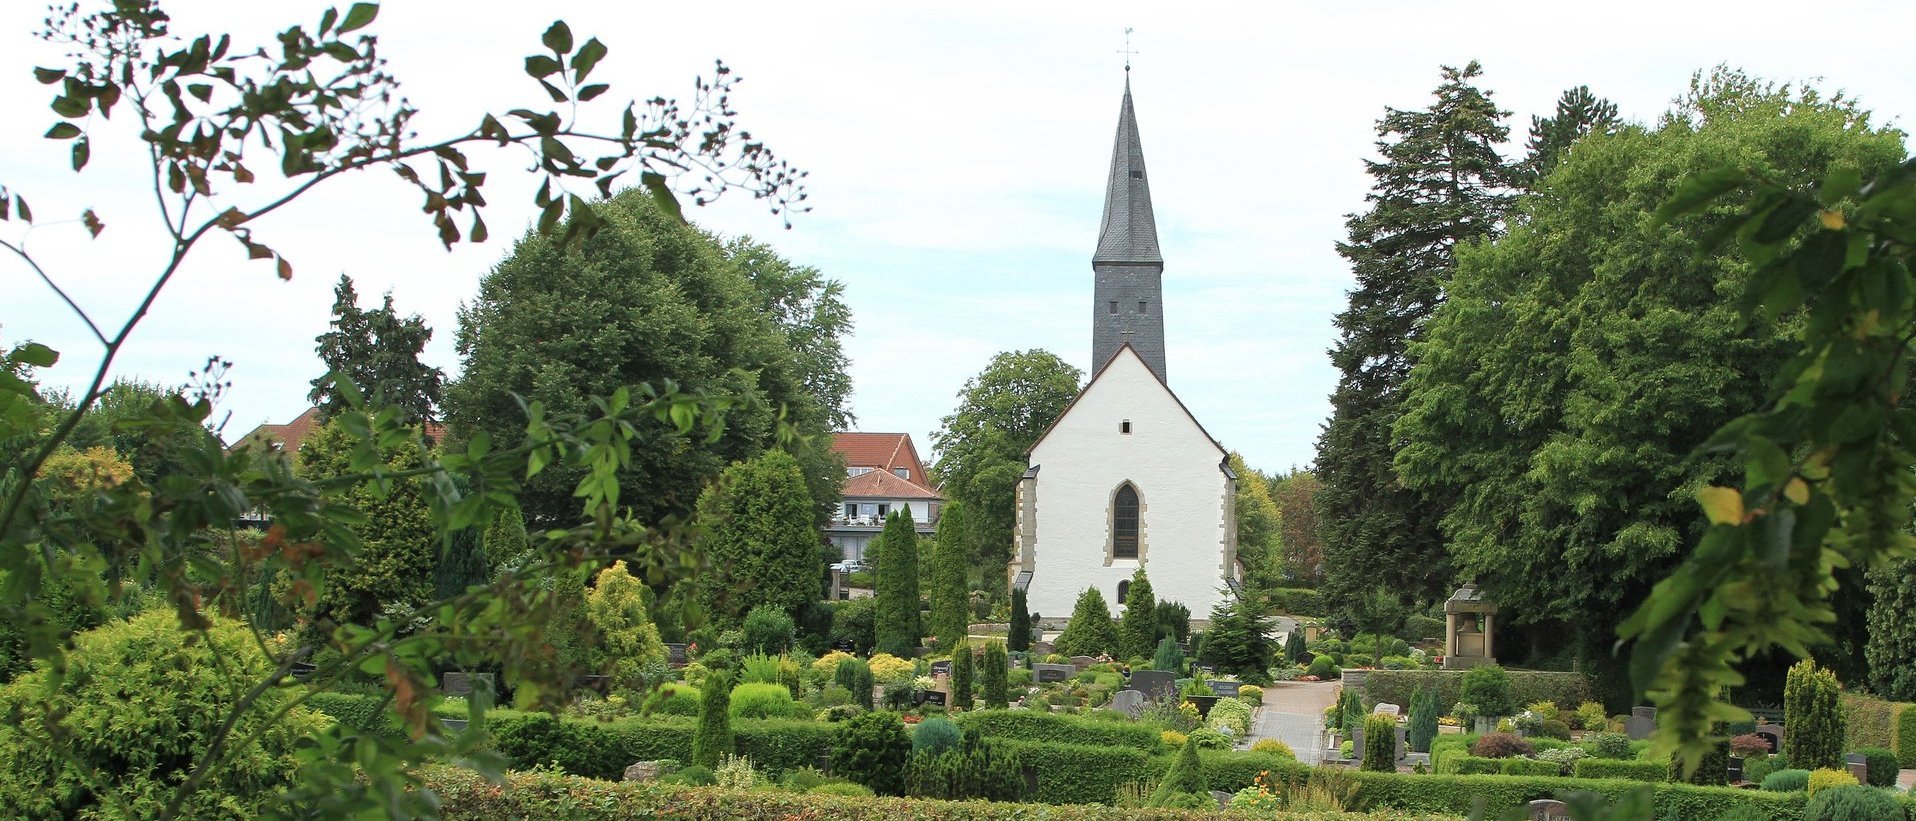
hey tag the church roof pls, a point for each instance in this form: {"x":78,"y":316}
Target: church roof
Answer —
{"x":1122,"y":348}
{"x":1130,"y":231}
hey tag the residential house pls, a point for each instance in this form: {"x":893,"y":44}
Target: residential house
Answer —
{"x":883,"y":474}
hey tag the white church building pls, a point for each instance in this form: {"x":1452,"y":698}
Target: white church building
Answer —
{"x":1126,"y":478}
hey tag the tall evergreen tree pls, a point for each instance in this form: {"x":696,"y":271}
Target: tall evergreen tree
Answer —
{"x":1239,"y":641}
{"x":997,"y":664}
{"x":758,"y":533}
{"x":1020,"y":635}
{"x":462,"y":565}
{"x":946,"y":590}
{"x":1089,"y":632}
{"x":505,"y":544}
{"x":713,"y":736}
{"x":379,"y":351}
{"x":897,"y":593}
{"x":961,"y":673}
{"x":1440,"y":184}
{"x":1579,"y":112}
{"x":1138,"y":627}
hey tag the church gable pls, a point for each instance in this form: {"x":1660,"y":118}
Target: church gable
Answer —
{"x":1125,"y":399}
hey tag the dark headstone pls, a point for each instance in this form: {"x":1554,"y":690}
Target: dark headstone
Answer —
{"x":1047,"y":673}
{"x":1155,"y":684}
{"x":931,"y":697}
{"x":1642,"y":723}
{"x":303,"y":671}
{"x":1858,"y":766}
{"x":1224,"y":688}
{"x":1082,"y":662}
{"x":1736,"y":769}
{"x":675,"y":654}
{"x":460,"y":684}
{"x":941,"y":668}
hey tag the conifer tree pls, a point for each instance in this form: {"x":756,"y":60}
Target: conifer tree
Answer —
{"x":462,"y":565}
{"x":1813,"y":712}
{"x":1090,"y":632}
{"x":713,"y":737}
{"x":997,"y":668}
{"x":379,"y":352}
{"x":1238,"y":642}
{"x":505,"y":545}
{"x":1186,"y":777}
{"x":897,"y":582}
{"x":961,"y":665}
{"x":1440,"y":184}
{"x":1138,"y":628}
{"x":1020,"y":637}
{"x":1579,"y":113}
{"x":759,"y":534}
{"x":1169,"y":656}
{"x":946,"y":590}
{"x":1423,"y":718}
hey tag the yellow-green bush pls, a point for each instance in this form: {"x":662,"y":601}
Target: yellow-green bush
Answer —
{"x":140,"y":705}
{"x":1829,"y":777}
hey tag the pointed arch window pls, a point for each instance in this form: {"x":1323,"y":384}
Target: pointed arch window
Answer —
{"x":1124,"y":523}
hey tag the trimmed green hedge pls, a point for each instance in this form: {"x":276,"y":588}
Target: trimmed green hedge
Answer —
{"x":1634,"y":770}
{"x":604,"y":749}
{"x":1526,"y":686}
{"x":467,"y":797}
{"x":1531,"y":766}
{"x":1870,"y":722}
{"x":1905,"y":745}
{"x":1456,"y":794}
{"x":369,"y":714}
{"x":1081,"y":774}
{"x":1031,"y":725}
{"x":1463,"y":763}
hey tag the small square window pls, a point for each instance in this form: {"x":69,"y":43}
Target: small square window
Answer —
{"x":1114,"y":306}
{"x":902,"y":473}
{"x":1136,"y":174}
{"x":1144,"y":307}
{"x":1124,"y":427}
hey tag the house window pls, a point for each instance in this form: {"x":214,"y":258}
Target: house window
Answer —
{"x":1114,"y":306}
{"x":1124,"y":427}
{"x":1144,"y":307}
{"x":902,"y":473}
{"x":851,"y":509}
{"x":884,"y":510}
{"x":857,"y":471}
{"x":1124,"y":523}
{"x":1124,"y":589}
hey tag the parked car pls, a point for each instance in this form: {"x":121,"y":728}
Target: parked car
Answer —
{"x":851,"y":566}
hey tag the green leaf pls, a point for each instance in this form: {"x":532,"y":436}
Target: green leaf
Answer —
{"x":1698,"y":191}
{"x":49,"y":76}
{"x":540,"y":66}
{"x":591,"y":91}
{"x":63,"y":131}
{"x":69,"y":107}
{"x":1841,"y":184}
{"x":589,"y":56}
{"x":558,"y":37}
{"x":36,"y":355}
{"x":81,"y":151}
{"x":1785,"y":219}
{"x":662,"y":194}
{"x":1724,"y":505}
{"x":359,"y":16}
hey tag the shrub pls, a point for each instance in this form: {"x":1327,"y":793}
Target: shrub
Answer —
{"x":1813,"y":715}
{"x":1299,"y":601}
{"x":1564,"y":757}
{"x":1173,"y":738}
{"x":1905,"y":734}
{"x":1033,"y":725}
{"x":1397,"y":686}
{"x":1552,"y":728}
{"x":1186,"y":777}
{"x":1590,"y":716}
{"x":1635,"y":769}
{"x":1488,"y":687}
{"x":1749,"y":745}
{"x":1422,"y":726}
{"x":714,"y":735}
{"x":843,"y":788}
{"x":1883,"y":766}
{"x":889,"y":669}
{"x":1232,"y":713}
{"x":672,"y":698}
{"x":1851,"y":803}
{"x":872,"y":749}
{"x":769,"y":630}
{"x":141,"y":701}
{"x":735,"y":772}
{"x":1323,"y":668}
{"x":1787,"y":781}
{"x":1209,"y":738}
{"x":1252,"y":694}
{"x":1169,"y":656}
{"x":1868,"y":721}
{"x":693,"y":776}
{"x":1500,"y":745}
{"x":1380,"y":743}
{"x":934,"y":735}
{"x":1609,"y":745}
{"x":996,"y":678}
{"x":961,"y":670}
{"x":1274,"y":747}
{"x":1090,"y":631}
{"x":761,"y":700}
{"x":1530,"y":766}
{"x":1826,"y":777}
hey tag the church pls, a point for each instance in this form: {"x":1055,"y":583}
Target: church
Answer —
{"x":1126,"y":478}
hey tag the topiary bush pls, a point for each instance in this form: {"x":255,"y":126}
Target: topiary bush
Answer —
{"x":713,"y":738}
{"x":1272,"y":746}
{"x":934,"y":735}
{"x":769,"y":630}
{"x":1185,"y":778}
{"x":1883,"y":766}
{"x":873,"y":749}
{"x":1852,"y":803}
{"x":1323,"y":668}
{"x":1787,"y":781}
{"x":1500,"y":745}
{"x":1380,"y":744}
{"x":1488,"y":687}
{"x":761,"y":700}
{"x":1813,"y":713}
{"x":997,"y":675}
{"x":672,"y":698}
{"x":1609,"y":745}
{"x":140,"y":703}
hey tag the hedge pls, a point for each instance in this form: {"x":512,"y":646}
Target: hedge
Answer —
{"x":1463,"y":763}
{"x":465,"y":796}
{"x":1531,"y":766}
{"x":1526,"y":686}
{"x":1299,"y":601}
{"x":369,"y":714}
{"x":1031,"y":725}
{"x":1633,"y":770}
{"x":1080,"y":774}
{"x":1872,"y":722}
{"x":1457,"y":794}
{"x":1905,"y":745}
{"x":604,"y":749}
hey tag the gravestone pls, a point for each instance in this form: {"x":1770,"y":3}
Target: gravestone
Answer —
{"x":941,"y":668}
{"x":1048,"y":673}
{"x":1155,"y":684}
{"x":1128,"y":702}
{"x":1082,"y":662}
{"x":1772,"y":733}
{"x":1641,"y":724}
{"x":675,"y":654}
{"x":303,"y":671}
{"x":931,"y":697}
{"x":1547,"y":809}
{"x":1040,"y":649}
{"x":1736,"y":770}
{"x":453,"y":725}
{"x":643,"y":771}
{"x":1387,"y":709}
{"x":1224,"y":688}
{"x":1858,"y":766}
{"x":460,"y":684}
{"x":1222,"y":798}
{"x":1305,"y":658}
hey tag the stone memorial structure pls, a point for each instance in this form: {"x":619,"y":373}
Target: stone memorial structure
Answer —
{"x":1224,"y":688}
{"x":1128,"y":702}
{"x":1048,"y":673}
{"x":1156,"y":684}
{"x":1081,"y":662}
{"x":460,"y":684}
{"x":1469,"y":629}
{"x":1773,"y":733}
{"x":1641,"y":724}
{"x":1548,"y":809}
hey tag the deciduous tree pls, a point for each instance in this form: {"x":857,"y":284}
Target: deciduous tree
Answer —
{"x":1260,"y":546}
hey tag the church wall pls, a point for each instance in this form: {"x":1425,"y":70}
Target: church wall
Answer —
{"x":1184,"y":524}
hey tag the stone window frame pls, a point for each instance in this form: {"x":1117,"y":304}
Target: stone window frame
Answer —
{"x":1111,"y":556}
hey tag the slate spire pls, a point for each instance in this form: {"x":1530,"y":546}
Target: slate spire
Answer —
{"x":1128,"y":305}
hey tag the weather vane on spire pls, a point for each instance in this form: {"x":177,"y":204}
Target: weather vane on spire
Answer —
{"x":1126,"y":51}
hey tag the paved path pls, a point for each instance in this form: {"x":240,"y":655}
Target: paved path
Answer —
{"x":1294,"y":714}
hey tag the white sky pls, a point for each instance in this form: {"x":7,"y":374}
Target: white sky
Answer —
{"x":957,"y":155}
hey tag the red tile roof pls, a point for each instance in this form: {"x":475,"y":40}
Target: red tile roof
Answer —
{"x":881,"y":452}
{"x":883,"y":485}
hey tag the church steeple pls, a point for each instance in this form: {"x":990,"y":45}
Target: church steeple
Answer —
{"x":1128,"y":268}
